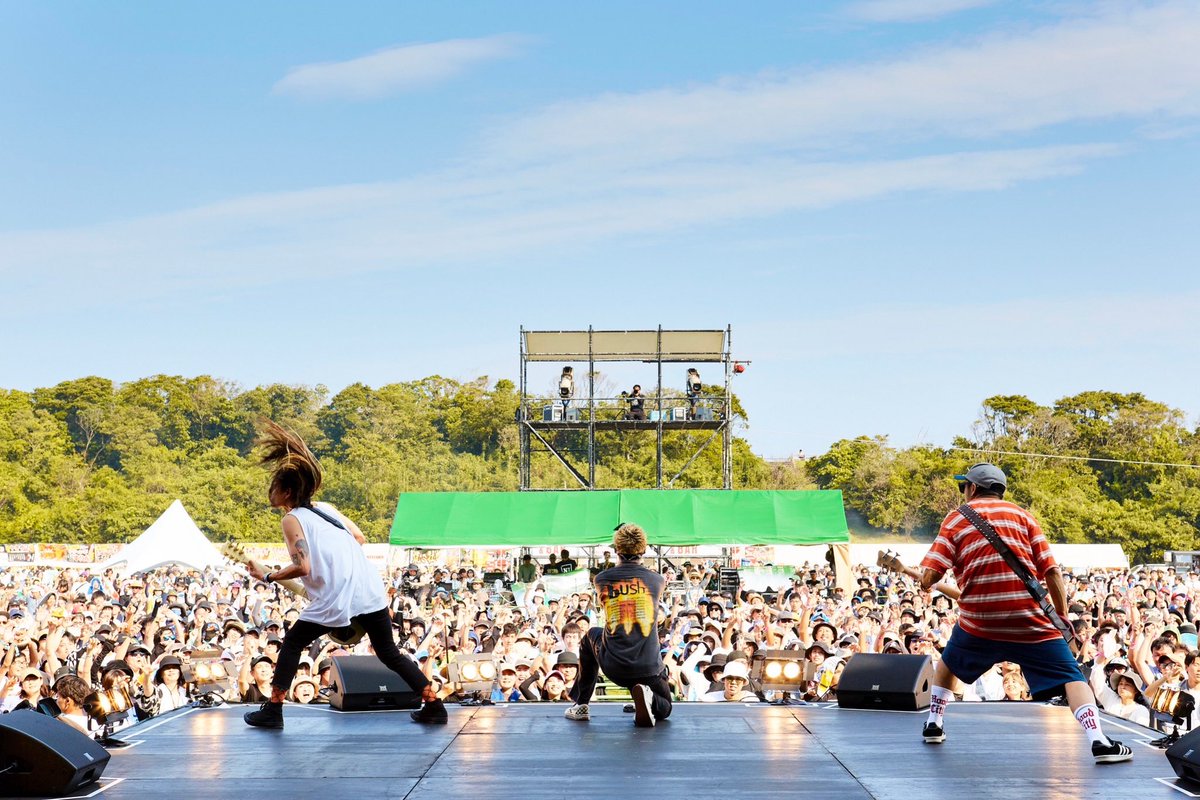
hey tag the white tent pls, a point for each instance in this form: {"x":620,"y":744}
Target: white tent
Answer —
{"x":172,"y":539}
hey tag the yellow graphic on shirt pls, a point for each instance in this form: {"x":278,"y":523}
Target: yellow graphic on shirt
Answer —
{"x":627,"y":604}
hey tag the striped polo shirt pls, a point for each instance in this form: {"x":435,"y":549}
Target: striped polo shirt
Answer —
{"x":994,"y":603}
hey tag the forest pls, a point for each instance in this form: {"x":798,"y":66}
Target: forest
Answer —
{"x":90,"y":460}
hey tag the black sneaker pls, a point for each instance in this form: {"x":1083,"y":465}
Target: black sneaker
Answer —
{"x":627,"y":708}
{"x":933,"y":733}
{"x":269,"y":715}
{"x":1112,"y":754}
{"x":432,"y":713}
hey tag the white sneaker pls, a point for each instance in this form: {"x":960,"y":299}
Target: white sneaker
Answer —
{"x":578,"y":712}
{"x":643,"y":716}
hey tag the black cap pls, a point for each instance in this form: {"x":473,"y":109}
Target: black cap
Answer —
{"x":117,"y":664}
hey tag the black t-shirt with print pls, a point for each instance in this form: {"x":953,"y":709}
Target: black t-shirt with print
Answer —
{"x":629,"y":597}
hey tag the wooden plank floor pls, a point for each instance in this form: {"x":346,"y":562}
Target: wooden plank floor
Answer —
{"x":994,"y":750}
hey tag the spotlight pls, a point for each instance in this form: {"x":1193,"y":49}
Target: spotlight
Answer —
{"x":779,"y":670}
{"x":106,"y":708}
{"x":1176,"y":704}
{"x":206,"y":670}
{"x":474,"y":672}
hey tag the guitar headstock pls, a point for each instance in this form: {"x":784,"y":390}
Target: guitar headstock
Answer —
{"x":890,"y":561}
{"x":234,"y":552}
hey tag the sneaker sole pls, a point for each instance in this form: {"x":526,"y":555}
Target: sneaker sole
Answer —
{"x":438,"y":721}
{"x":935,"y":739}
{"x":1114,"y":759}
{"x":643,"y":717}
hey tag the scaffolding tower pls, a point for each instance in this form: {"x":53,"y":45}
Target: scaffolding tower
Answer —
{"x":538,"y":417}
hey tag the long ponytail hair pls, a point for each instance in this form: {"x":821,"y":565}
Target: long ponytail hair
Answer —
{"x":295,"y":471}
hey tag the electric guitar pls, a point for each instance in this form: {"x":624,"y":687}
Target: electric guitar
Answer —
{"x":348,"y":636}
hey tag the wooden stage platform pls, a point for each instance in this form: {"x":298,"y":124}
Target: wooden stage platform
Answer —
{"x":993,"y":750}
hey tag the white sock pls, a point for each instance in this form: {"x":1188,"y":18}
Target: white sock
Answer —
{"x":1089,"y":718}
{"x":938,"y":700}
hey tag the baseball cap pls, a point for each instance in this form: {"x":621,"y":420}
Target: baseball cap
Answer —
{"x":984,"y":475}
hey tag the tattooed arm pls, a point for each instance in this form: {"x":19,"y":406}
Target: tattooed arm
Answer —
{"x":293,"y":536}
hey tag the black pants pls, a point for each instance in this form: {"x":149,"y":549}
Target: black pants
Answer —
{"x":591,"y":661}
{"x":377,"y":624}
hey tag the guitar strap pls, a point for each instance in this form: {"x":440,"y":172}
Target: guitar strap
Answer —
{"x":1032,"y":585}
{"x":327,"y":517}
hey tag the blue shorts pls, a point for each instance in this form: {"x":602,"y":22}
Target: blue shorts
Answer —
{"x":1047,"y":666}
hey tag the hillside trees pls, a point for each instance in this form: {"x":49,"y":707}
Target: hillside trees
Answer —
{"x":89,"y":460}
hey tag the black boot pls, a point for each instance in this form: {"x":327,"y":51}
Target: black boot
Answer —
{"x":432,"y":712}
{"x":269,"y":715}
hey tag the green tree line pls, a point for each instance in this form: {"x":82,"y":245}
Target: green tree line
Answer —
{"x":93,"y":461}
{"x":1078,"y":486}
{"x":90,"y":460}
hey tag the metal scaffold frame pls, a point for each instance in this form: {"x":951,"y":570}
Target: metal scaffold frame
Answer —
{"x":658,"y":347}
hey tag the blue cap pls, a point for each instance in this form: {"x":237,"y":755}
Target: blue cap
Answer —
{"x":985,"y":476}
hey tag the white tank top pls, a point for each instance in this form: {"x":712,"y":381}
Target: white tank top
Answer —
{"x":341,"y":583}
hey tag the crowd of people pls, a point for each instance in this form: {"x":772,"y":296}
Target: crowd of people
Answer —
{"x":66,"y":633}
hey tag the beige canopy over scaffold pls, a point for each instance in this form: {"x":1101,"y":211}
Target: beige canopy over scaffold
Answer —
{"x":656,"y":345}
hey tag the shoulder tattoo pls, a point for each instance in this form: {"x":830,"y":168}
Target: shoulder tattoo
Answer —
{"x":299,"y":551}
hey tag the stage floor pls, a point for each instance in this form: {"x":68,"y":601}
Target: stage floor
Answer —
{"x":529,"y":751}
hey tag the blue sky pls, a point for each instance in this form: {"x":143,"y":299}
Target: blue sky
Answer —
{"x":901,"y":206}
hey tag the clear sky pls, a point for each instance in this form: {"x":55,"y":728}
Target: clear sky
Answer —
{"x":901,"y":206}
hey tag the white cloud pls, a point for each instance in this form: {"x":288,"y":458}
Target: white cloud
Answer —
{"x":1134,"y":61}
{"x":395,"y":69}
{"x":356,"y":229}
{"x":911,"y":10}
{"x":621,"y":165}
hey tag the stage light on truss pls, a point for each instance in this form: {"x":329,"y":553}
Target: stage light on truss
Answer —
{"x":779,"y":670}
{"x":475,"y":672}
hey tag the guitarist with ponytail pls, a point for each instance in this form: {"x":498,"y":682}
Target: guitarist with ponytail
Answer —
{"x":327,"y":557}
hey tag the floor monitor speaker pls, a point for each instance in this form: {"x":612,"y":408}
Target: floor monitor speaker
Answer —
{"x":886,"y":682}
{"x":363,"y":683}
{"x":1184,"y":756}
{"x":42,"y":756}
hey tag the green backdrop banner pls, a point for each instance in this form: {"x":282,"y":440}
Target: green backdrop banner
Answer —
{"x":681,"y":517}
